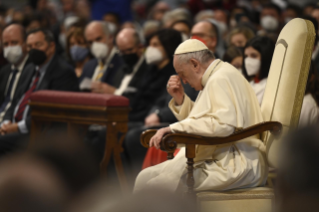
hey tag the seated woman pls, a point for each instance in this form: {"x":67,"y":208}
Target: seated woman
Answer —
{"x":258,"y":55}
{"x":240,"y":36}
{"x":78,"y":50}
{"x":234,"y":56}
{"x":310,"y":111}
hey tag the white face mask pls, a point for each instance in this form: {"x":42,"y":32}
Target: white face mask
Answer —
{"x":252,"y":66}
{"x":112,"y":27}
{"x":269,"y":23}
{"x":99,"y":50}
{"x":153,"y":55}
{"x":13,"y":53}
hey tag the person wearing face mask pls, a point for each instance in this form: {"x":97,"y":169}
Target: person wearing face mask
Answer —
{"x":158,"y":55}
{"x":13,"y":74}
{"x":257,"y":60}
{"x":292,"y":11}
{"x":49,"y":72}
{"x":132,"y":52}
{"x":150,"y":91}
{"x":102,"y":69}
{"x":78,"y":50}
{"x":270,"y":21}
{"x":225,"y":102}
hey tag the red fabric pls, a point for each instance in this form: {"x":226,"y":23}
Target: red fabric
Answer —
{"x":155,"y":156}
{"x":24,"y":102}
{"x":77,"y":98}
{"x":256,"y":80}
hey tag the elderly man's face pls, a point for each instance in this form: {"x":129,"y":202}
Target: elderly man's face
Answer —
{"x":189,"y":73}
{"x":95,"y":34}
{"x":12,"y":36}
{"x":204,"y":31}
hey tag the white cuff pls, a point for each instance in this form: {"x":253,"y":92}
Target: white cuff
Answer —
{"x":23,"y":127}
{"x":4,"y":122}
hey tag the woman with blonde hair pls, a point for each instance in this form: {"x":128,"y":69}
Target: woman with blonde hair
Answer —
{"x":239,"y":36}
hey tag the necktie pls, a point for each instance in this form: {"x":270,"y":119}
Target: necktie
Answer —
{"x":101,"y":72}
{"x":24,"y":102}
{"x":8,"y":94}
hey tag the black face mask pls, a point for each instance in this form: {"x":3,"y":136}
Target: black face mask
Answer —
{"x":37,"y":57}
{"x":130,"y":59}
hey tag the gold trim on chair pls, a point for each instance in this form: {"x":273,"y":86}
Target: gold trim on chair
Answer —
{"x":305,"y":66}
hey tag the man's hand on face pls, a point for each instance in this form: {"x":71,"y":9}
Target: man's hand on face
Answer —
{"x":157,"y":138}
{"x":176,"y":89}
{"x":152,"y":120}
{"x":101,"y":87}
{"x":9,"y":128}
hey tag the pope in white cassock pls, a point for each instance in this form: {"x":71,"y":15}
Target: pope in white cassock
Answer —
{"x":226,"y":103}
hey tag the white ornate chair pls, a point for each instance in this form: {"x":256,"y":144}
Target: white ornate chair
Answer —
{"x":280,"y":109}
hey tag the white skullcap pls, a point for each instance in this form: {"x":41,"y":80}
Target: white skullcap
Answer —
{"x":190,"y":45}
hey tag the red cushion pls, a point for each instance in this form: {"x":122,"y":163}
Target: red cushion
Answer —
{"x":78,"y":98}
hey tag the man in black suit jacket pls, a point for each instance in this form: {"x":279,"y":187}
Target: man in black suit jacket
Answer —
{"x":12,"y":74}
{"x":49,"y":73}
{"x":127,"y":79}
{"x":107,"y":61}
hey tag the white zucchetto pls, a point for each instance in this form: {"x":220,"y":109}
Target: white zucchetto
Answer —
{"x":190,"y":45}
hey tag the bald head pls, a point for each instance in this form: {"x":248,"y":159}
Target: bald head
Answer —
{"x":13,"y":32}
{"x":97,"y":31}
{"x":14,"y":35}
{"x":127,"y":36}
{"x":206,"y":32}
{"x":128,"y":41}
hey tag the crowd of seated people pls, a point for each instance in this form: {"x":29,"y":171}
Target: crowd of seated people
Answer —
{"x":80,"y":46}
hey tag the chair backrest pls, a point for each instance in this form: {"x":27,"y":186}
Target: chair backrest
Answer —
{"x":287,"y":81}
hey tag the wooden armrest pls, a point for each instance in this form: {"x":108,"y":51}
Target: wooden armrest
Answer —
{"x":172,"y":139}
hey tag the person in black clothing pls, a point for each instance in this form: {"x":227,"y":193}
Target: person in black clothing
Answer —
{"x":159,"y":116}
{"x":159,"y":54}
{"x":49,"y":72}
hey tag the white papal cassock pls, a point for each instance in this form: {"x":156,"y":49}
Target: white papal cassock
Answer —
{"x":226,"y":103}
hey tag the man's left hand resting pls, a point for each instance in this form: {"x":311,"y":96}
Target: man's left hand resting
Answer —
{"x":157,"y":138}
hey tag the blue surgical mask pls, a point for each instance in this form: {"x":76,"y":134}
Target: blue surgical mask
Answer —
{"x":78,"y":53}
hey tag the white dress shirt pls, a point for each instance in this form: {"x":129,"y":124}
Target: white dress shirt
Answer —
{"x":15,"y":83}
{"x":128,"y":77}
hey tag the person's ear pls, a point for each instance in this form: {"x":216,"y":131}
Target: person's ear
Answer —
{"x":213,"y":41}
{"x":194,"y":64}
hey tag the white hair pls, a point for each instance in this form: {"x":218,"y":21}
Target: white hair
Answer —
{"x":178,"y":14}
{"x":202,"y":57}
{"x":203,"y":15}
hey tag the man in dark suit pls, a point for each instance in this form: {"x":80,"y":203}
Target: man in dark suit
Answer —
{"x":107,"y":61}
{"x":12,"y":74}
{"x":131,"y":73}
{"x":49,"y":73}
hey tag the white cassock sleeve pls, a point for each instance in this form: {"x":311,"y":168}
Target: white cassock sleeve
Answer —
{"x":207,"y":116}
{"x":181,"y":112}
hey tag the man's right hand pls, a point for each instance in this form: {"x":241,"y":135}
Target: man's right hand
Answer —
{"x":176,"y":89}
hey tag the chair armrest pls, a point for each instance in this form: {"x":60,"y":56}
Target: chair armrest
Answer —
{"x":171,"y":140}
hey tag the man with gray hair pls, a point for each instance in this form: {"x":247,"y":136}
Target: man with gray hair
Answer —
{"x":226,"y":103}
{"x":102,"y":68}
